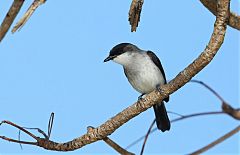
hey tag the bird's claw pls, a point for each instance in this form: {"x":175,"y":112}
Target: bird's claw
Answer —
{"x":159,"y":89}
{"x":140,"y":97}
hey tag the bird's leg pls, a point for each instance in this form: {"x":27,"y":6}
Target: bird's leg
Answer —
{"x":140,"y":97}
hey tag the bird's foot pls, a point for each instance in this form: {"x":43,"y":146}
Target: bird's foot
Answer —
{"x":140,"y":97}
{"x":159,"y":89}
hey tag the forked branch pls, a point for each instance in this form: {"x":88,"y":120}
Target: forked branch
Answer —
{"x":154,"y":97}
{"x":226,"y":109}
{"x":234,"y":19}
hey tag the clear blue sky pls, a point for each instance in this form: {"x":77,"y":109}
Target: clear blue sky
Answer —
{"x":55,"y":64}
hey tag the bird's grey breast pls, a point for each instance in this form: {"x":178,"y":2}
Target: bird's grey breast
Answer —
{"x":143,"y":74}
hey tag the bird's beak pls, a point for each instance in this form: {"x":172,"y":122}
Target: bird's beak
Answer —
{"x":108,"y":58}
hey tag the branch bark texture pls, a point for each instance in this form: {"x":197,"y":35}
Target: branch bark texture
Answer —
{"x":154,"y":97}
{"x":180,"y":80}
{"x":28,"y":14}
{"x":135,"y":13}
{"x":8,"y":20}
{"x":234,"y":19}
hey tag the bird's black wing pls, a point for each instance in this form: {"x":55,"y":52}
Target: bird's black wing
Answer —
{"x":157,"y":62}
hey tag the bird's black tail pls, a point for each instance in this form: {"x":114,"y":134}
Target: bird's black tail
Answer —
{"x":162,"y":119}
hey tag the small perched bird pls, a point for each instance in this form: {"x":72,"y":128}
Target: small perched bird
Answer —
{"x":144,"y":71}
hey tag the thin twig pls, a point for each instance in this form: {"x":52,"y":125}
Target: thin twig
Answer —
{"x":27,"y":15}
{"x":146,"y":136}
{"x":154,"y":97}
{"x":227,"y":108}
{"x":8,"y":20}
{"x":209,"y":88}
{"x":171,"y":112}
{"x":46,"y":137}
{"x":197,"y":114}
{"x":219,"y":140}
{"x":19,"y":135}
{"x":175,"y":120}
{"x":18,"y":141}
{"x":50,"y":124}
{"x":20,"y":128}
{"x":38,"y":130}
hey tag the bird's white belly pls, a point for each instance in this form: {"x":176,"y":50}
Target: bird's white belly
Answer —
{"x":145,"y":79}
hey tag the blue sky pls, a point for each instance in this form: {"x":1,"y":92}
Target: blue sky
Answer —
{"x":55,"y":64}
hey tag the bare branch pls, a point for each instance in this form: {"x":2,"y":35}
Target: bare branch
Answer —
{"x":112,"y":144}
{"x":234,"y":19}
{"x":116,"y":147}
{"x":219,"y":140}
{"x":38,"y":130}
{"x":19,"y":127}
{"x":135,"y":13}
{"x":235,"y":113}
{"x":8,"y":20}
{"x":27,"y":15}
{"x":50,"y":125}
{"x":182,"y":117}
{"x":17,"y":141}
{"x":154,"y":97}
{"x":146,"y":136}
{"x":226,"y":109}
{"x":209,"y":88}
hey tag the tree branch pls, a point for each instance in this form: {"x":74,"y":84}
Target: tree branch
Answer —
{"x":114,"y":145}
{"x":210,"y":89}
{"x":154,"y":97}
{"x":226,"y":109}
{"x":182,"y":117}
{"x":234,"y":19}
{"x":28,"y":14}
{"x":146,"y":136}
{"x":8,"y":20}
{"x":135,"y":13}
{"x":219,"y":140}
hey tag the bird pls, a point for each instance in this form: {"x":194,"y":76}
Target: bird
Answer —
{"x":145,"y":73}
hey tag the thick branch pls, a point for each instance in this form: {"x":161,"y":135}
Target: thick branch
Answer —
{"x":114,"y":145}
{"x":180,"y":80}
{"x":234,"y":19}
{"x":8,"y":20}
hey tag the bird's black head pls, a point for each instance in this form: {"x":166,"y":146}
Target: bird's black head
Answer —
{"x":120,"y":49}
